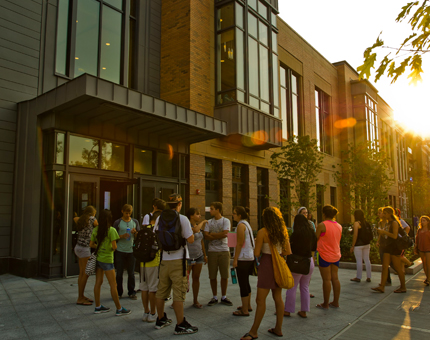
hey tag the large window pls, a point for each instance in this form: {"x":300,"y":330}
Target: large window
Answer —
{"x":324,"y":130}
{"x":262,"y":192}
{"x":91,"y":36}
{"x":238,"y":179}
{"x":372,"y":121}
{"x":247,"y":28}
{"x":290,"y":103}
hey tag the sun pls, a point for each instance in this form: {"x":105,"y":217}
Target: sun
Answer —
{"x":414,"y":121}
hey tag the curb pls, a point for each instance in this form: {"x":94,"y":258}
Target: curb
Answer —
{"x":412,"y":270}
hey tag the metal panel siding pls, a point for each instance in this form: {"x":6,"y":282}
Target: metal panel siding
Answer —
{"x":20,"y":27}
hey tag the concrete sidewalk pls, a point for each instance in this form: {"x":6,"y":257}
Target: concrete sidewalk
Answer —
{"x":34,"y":309}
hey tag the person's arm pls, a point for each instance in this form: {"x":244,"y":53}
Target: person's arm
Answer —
{"x":240,"y":231}
{"x":199,"y":226}
{"x":134,"y":229}
{"x":190,"y":239}
{"x":96,"y":223}
{"x":114,"y":246}
{"x":354,"y":238}
{"x":76,"y":219}
{"x":93,"y":245}
{"x":259,"y":242}
{"x":320,"y":229}
{"x":220,"y":235}
{"x":204,"y":251}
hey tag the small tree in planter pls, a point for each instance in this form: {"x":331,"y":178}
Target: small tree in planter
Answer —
{"x":365,"y":177}
{"x":297,"y":165}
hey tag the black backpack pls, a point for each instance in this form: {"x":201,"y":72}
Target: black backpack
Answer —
{"x":145,"y":245}
{"x":366,"y":233}
{"x":403,"y":240}
{"x":170,"y":231}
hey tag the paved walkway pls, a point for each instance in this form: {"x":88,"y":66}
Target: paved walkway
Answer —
{"x":34,"y":309}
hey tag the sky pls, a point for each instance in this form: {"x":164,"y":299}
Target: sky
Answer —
{"x":343,"y":29}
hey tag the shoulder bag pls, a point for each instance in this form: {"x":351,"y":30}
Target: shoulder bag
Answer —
{"x":283,"y":277}
{"x":299,"y":264}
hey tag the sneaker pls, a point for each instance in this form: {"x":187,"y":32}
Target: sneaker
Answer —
{"x":163,"y":322}
{"x":226,"y":302}
{"x":151,"y":317}
{"x":133,"y":297}
{"x":101,"y":309}
{"x":122,"y":311}
{"x":145,"y":316}
{"x":167,"y":299}
{"x":212,"y":302}
{"x":185,"y":328}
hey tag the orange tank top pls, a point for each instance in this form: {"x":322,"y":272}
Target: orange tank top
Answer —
{"x":329,"y":244}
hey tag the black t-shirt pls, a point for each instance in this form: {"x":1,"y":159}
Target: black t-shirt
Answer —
{"x":303,"y":247}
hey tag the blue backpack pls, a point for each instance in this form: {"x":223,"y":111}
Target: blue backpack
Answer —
{"x":170,"y":231}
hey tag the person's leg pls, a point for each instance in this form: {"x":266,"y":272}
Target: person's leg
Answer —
{"x":336,"y":284}
{"x":164,"y":288}
{"x":131,"y":282}
{"x":119,"y":266}
{"x":396,"y":260}
{"x":279,"y":305}
{"x":305,"y":298}
{"x":404,"y":261}
{"x":358,"y":252}
{"x":424,"y":261}
{"x":179,"y":288}
{"x":224,"y":267}
{"x":366,"y":256}
{"x":242,"y":271}
{"x":145,"y":300}
{"x":196,"y":271}
{"x":152,"y":302}
{"x":381,"y":256}
{"x":97,"y":286}
{"x":326,"y":285}
{"x":260,"y":310}
{"x":386,"y":260}
{"x":82,"y":280}
{"x":110,"y":275}
{"x":213,"y":270}
{"x":290,"y":295}
{"x":427,"y":264}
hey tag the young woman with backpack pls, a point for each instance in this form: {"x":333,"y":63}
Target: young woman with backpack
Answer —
{"x":103,"y":239}
{"x":85,"y":224}
{"x":361,"y":245}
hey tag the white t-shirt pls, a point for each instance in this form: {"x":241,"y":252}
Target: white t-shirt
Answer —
{"x":186,"y":233}
{"x":217,"y":226}
{"x":404,"y":224}
{"x":147,"y":219}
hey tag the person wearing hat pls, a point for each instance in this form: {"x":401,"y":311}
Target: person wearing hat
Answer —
{"x":304,"y":211}
{"x":171,"y":275}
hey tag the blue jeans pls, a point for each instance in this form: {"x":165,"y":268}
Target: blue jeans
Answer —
{"x":125,"y":261}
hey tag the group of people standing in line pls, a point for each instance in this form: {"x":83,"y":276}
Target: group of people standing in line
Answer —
{"x":168,"y":274}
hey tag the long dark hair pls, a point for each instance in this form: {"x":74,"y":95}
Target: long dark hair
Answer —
{"x":85,"y":218}
{"x":242,"y":212}
{"x":275,"y":226}
{"x":302,"y":228}
{"x":359,"y":217}
{"x":105,"y":222}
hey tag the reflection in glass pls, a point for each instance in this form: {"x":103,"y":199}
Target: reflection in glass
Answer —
{"x":62,"y":30}
{"x":225,"y":16}
{"x":252,"y":25}
{"x":164,"y":165}
{"x":239,"y":15}
{"x":254,"y":102}
{"x":210,"y":169}
{"x":274,"y":18}
{"x":262,"y":10}
{"x":115,"y":3}
{"x":274,"y":42}
{"x":264,"y":107}
{"x":262,"y":30}
{"x":143,"y":161}
{"x":284,"y":112}
{"x":283,"y":77}
{"x":226,"y":64}
{"x":240,"y":59}
{"x":113,"y":156}
{"x":131,"y":54}
{"x":253,"y":4}
{"x":275,"y":80}
{"x":110,"y":61}
{"x":84,"y":152}
{"x":240,"y":96}
{"x":59,"y":148}
{"x":58,"y":218}
{"x":226,"y":97}
{"x":253,"y":66}
{"x":87,"y":37}
{"x":264,"y":73}
{"x":183,"y":167}
{"x":295,"y":104}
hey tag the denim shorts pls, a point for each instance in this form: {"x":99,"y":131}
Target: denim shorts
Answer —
{"x":199,"y":260}
{"x":105,"y":266}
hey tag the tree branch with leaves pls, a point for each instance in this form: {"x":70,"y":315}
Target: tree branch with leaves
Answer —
{"x":297,"y":165}
{"x":414,"y":47}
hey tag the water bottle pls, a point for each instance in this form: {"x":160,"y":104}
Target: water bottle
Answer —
{"x":233,"y":275}
{"x":129,"y":234}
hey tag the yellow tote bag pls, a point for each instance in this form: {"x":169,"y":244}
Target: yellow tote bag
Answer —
{"x":283,"y":276}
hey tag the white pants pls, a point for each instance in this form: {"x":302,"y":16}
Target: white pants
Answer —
{"x":362,"y":253}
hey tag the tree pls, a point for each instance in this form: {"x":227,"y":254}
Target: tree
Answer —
{"x":414,"y":46}
{"x":364,"y":178}
{"x":297,"y":165}
{"x":420,"y":189}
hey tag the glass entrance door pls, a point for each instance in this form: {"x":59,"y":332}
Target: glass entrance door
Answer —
{"x":151,"y":190}
{"x":83,"y":191}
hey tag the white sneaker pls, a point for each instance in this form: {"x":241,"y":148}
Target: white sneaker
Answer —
{"x":145,"y":317}
{"x":151,"y":318}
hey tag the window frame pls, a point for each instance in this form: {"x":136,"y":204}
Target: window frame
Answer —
{"x":289,"y":102}
{"x":71,"y":41}
{"x":324,"y":120}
